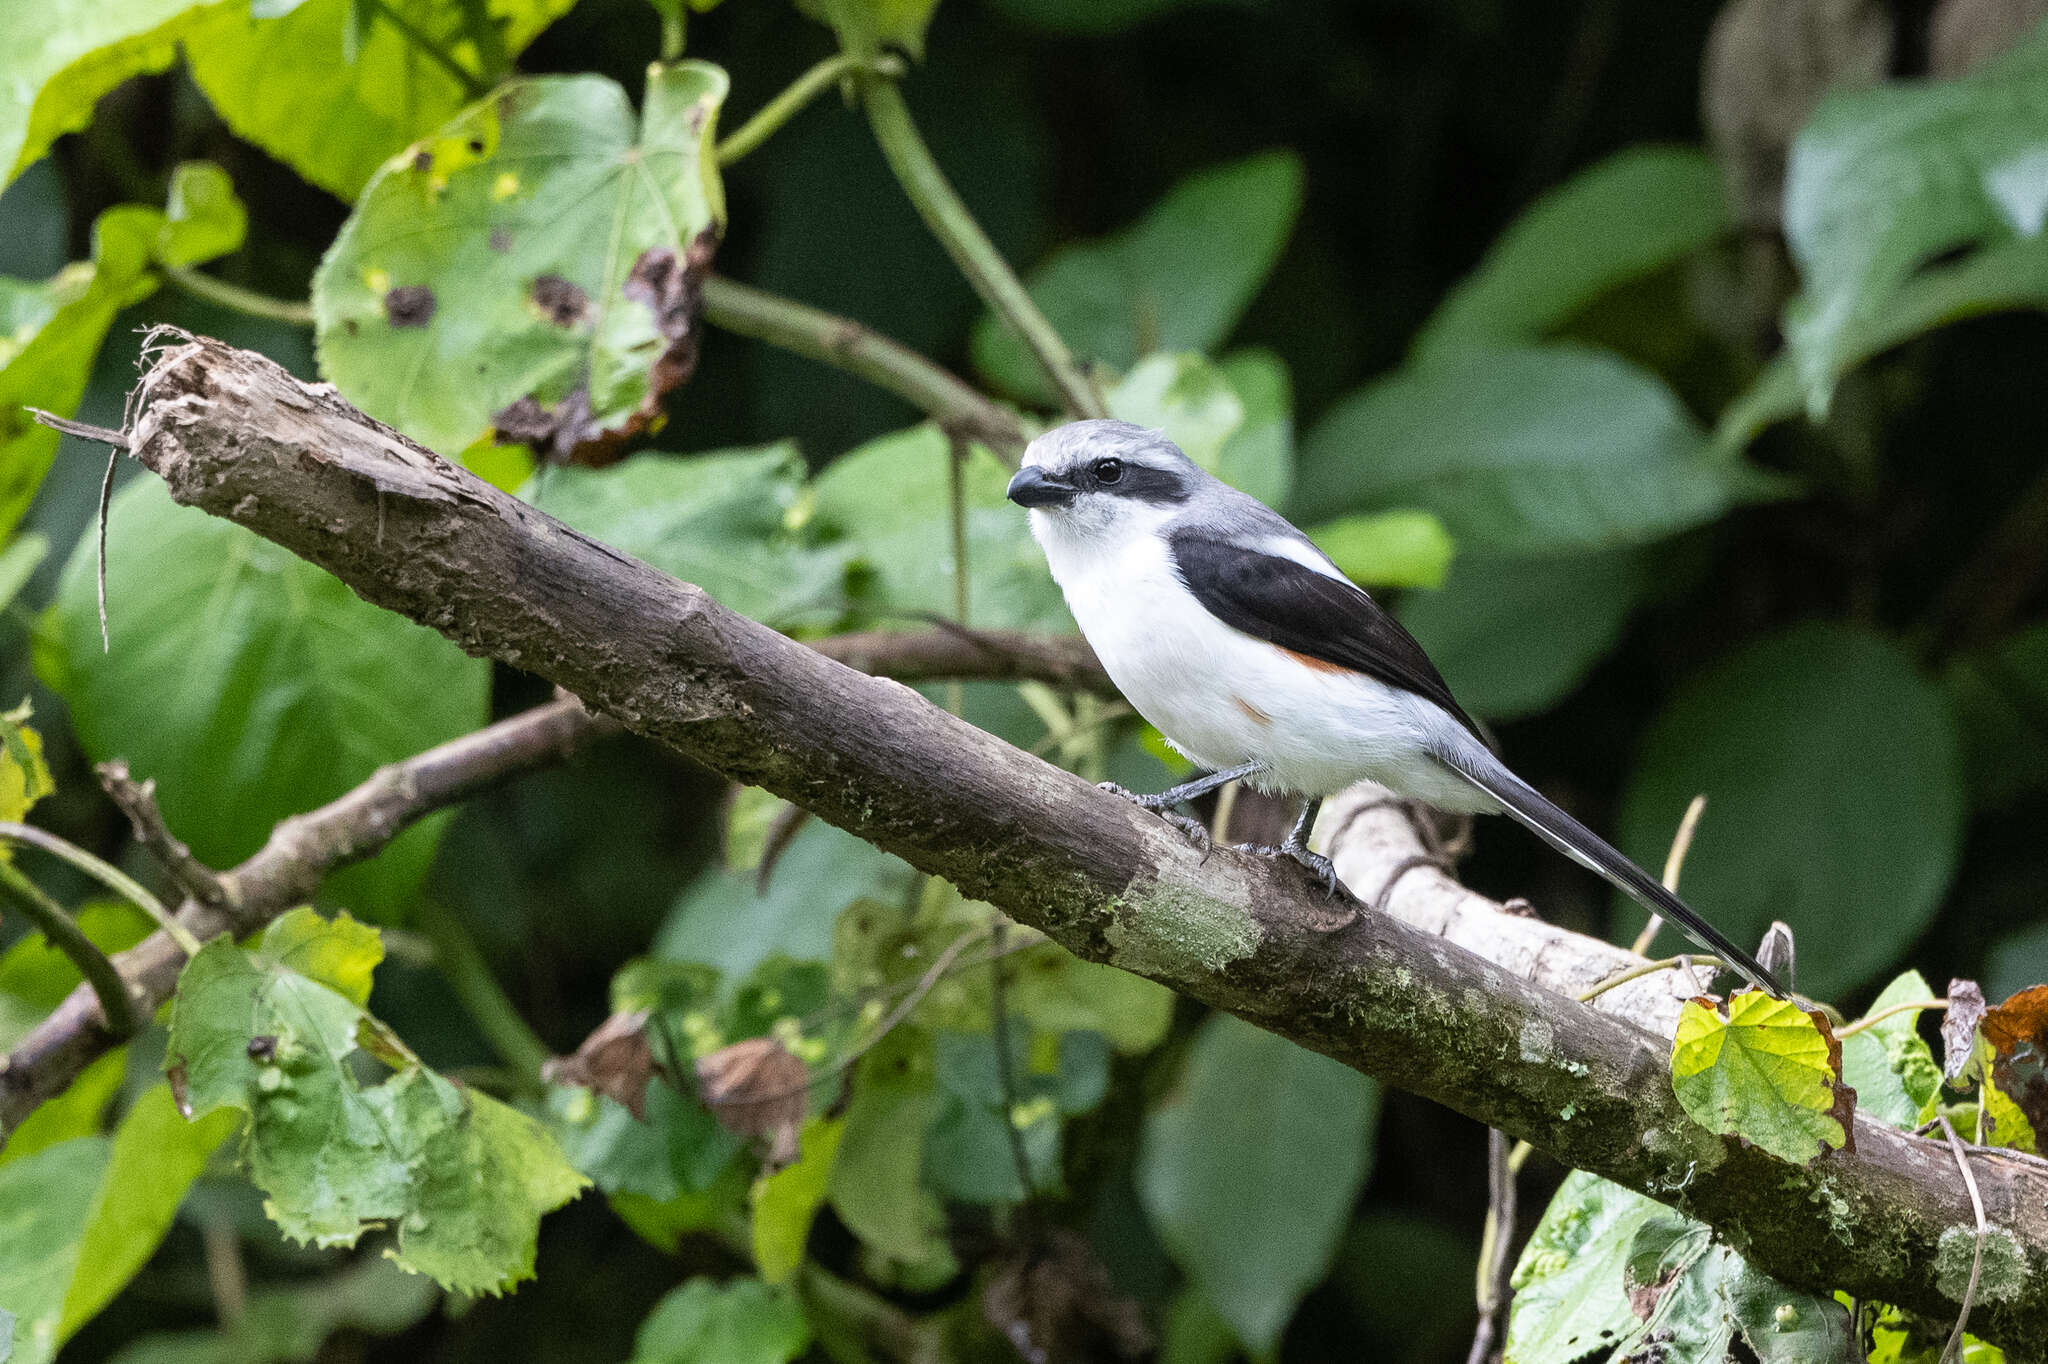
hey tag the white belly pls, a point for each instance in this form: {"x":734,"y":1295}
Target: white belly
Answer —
{"x":1225,"y":698}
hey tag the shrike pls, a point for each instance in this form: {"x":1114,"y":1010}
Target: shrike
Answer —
{"x":1257,"y":658}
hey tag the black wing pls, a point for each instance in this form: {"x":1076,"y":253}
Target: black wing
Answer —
{"x":1291,"y":605}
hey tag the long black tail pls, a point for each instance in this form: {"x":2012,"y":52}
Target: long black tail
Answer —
{"x":1587,"y":848}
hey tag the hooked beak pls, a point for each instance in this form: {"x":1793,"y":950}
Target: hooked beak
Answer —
{"x":1032,"y":486}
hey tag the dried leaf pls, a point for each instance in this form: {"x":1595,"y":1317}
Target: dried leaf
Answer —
{"x":1959,"y":1027}
{"x":616,"y":1061}
{"x":2018,"y":1033}
{"x":757,"y":1089}
{"x":1054,"y":1302}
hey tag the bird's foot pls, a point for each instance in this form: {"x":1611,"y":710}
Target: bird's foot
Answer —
{"x":1318,"y":865}
{"x":1193,"y":830}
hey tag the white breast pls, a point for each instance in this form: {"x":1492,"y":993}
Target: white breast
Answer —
{"x":1224,"y":698}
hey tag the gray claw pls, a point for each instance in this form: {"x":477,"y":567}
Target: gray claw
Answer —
{"x":1318,"y":865}
{"x":1191,"y":829}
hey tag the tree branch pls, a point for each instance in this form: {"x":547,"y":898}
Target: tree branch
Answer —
{"x":235,"y":435}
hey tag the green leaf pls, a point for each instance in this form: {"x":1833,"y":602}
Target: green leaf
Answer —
{"x":542,"y":250}
{"x":1770,"y":1072}
{"x":2000,"y":697}
{"x":24,"y":775}
{"x":968,"y":1154}
{"x":787,"y":1200}
{"x":1696,"y":1297}
{"x":1884,"y":178}
{"x":1635,"y":212}
{"x":1388,"y":549}
{"x":50,"y":334}
{"x":875,"y":1187}
{"x":1258,"y":458}
{"x":288,"y":84}
{"x":62,"y":56}
{"x":1186,"y":397}
{"x":462,"y":1178}
{"x":1515,"y":636}
{"x":250,"y":684}
{"x":1850,"y":842}
{"x":77,"y":1112}
{"x":1569,"y":1300}
{"x":721,"y":521}
{"x":203,"y":216}
{"x":1526,"y":450}
{"x":722,"y":921}
{"x":2011,"y":275}
{"x":18,"y":562}
{"x":741,"y":1321}
{"x":1889,"y":1064}
{"x":1250,"y":1168}
{"x":888,"y":501}
{"x":1176,"y":280}
{"x":373,"y":1296}
{"x":85,"y":1214}
{"x":868,"y":28}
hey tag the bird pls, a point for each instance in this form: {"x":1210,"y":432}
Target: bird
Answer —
{"x":1258,"y":659}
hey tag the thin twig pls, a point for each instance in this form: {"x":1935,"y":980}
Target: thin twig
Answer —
{"x":1496,"y":1239}
{"x":946,"y":214}
{"x":108,"y":875}
{"x":1674,"y":863}
{"x":795,"y":96}
{"x":1953,"y":1350}
{"x":62,"y":933}
{"x":137,"y":800}
{"x":866,"y":353}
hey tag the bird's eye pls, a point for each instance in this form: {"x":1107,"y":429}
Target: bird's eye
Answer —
{"x":1109,"y":471}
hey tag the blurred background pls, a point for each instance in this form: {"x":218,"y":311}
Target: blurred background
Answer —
{"x":1828,"y":617}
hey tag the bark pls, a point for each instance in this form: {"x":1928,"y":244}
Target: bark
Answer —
{"x":238,"y":437}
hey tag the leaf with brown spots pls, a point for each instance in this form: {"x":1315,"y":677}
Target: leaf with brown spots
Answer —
{"x":531,"y":271}
{"x":2018,"y":1033}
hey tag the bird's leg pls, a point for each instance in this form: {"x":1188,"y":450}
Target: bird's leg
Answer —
{"x":1296,"y":846}
{"x":1162,"y":804}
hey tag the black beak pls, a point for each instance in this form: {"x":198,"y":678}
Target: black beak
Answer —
{"x":1032,"y":486}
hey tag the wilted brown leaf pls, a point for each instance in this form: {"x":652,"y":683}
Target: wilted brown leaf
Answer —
{"x":2018,"y":1033}
{"x":756,"y":1088}
{"x":1959,"y":1027}
{"x":615,"y":1061}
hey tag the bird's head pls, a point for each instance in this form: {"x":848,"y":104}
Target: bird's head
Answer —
{"x":1102,"y":478}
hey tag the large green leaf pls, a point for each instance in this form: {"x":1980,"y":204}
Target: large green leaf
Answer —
{"x":1889,"y":1065}
{"x":1523,"y":450}
{"x":61,"y":56}
{"x":721,"y":521}
{"x":1177,"y":280}
{"x":248,"y":683}
{"x":300,"y":88}
{"x":1635,"y":212}
{"x":1388,"y":549}
{"x":1834,"y":796}
{"x":1569,"y":1301}
{"x":1514,"y":636}
{"x":741,"y":1321}
{"x":1249,"y":1170}
{"x":532,"y":266}
{"x":85,"y":1214}
{"x":1768,"y":1071}
{"x":889,"y":502}
{"x":462,"y":1178}
{"x":1885,"y":178}
{"x":35,"y":977}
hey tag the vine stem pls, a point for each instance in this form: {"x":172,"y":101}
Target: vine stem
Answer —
{"x":462,"y":965}
{"x":1851,"y":1029}
{"x":946,"y":214}
{"x":1648,"y":968}
{"x":234,"y":297}
{"x":1674,"y":864}
{"x":108,"y":875}
{"x":64,"y":934}
{"x":794,"y":97}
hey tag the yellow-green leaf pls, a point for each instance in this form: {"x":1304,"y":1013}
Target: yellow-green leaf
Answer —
{"x":1769,"y":1072}
{"x":786,"y":1201}
{"x":1388,"y":549}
